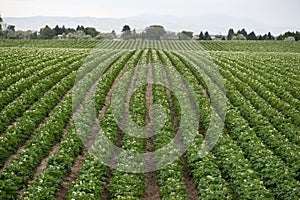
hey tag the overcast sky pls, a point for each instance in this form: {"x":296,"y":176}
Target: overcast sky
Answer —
{"x":271,"y":12}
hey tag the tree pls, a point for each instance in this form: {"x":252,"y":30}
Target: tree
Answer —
{"x":251,"y":36}
{"x":63,"y":29}
{"x":58,"y":30}
{"x":34,"y":35}
{"x":46,"y":33}
{"x":78,"y":35}
{"x":239,"y":37}
{"x":297,"y":36}
{"x":70,"y":30}
{"x":126,"y":32}
{"x":280,"y":37}
{"x":1,"y":20}
{"x":243,"y":32}
{"x":80,"y":28}
{"x":114,"y":33}
{"x":126,"y":28}
{"x":265,"y":37}
{"x":154,"y":32}
{"x":270,"y":36}
{"x":105,"y":36}
{"x":207,"y":36}
{"x":182,"y":36}
{"x":230,"y":34}
{"x":91,"y":31}
{"x":201,"y":36}
{"x":189,"y":34}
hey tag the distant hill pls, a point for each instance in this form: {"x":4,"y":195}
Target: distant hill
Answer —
{"x":214,"y":23}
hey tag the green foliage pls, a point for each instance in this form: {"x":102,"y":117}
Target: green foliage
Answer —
{"x":256,"y":157}
{"x":126,"y":28}
{"x":207,"y":36}
{"x":251,"y":36}
{"x":188,"y":33}
{"x":230,"y":34}
{"x":46,"y":33}
{"x":201,"y":36}
{"x":90,"y":31}
{"x":154,"y":32}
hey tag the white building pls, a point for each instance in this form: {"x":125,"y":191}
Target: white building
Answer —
{"x":6,"y":26}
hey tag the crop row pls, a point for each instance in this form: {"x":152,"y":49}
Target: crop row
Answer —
{"x":233,"y":166}
{"x":275,"y":89}
{"x":17,"y":107}
{"x":251,"y":46}
{"x":17,"y":134}
{"x":46,"y":136}
{"x":49,"y":43}
{"x":91,"y":180}
{"x":124,"y":184}
{"x":275,"y":174}
{"x":274,"y":116}
{"x":19,"y":61}
{"x":142,"y":44}
{"x":170,"y":178}
{"x":277,"y":75}
{"x":60,"y":164}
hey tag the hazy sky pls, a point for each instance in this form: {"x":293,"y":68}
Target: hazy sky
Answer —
{"x":271,"y":12}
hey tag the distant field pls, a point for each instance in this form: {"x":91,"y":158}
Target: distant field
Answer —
{"x":257,"y":155}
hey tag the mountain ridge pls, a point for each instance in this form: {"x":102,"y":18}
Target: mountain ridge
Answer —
{"x":214,"y":23}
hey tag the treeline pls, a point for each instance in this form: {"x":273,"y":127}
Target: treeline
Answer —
{"x":47,"y":33}
{"x":243,"y":35}
{"x":153,"y":32}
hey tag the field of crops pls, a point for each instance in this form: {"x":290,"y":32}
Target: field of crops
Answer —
{"x":43,"y":114}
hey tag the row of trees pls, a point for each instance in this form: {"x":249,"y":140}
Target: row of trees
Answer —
{"x":290,"y":35}
{"x":80,"y":32}
{"x":204,"y":36}
{"x":154,"y":32}
{"x":46,"y":33}
{"x":1,"y":20}
{"x":243,"y":35}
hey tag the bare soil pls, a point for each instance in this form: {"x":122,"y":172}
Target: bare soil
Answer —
{"x":152,"y":189}
{"x":190,"y":185}
{"x":120,"y":137}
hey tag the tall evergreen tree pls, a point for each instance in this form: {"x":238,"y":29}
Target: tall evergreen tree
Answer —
{"x":80,"y":28}
{"x":243,"y":32}
{"x":230,"y":34}
{"x":270,"y":36}
{"x":251,"y":36}
{"x":58,"y":30}
{"x":113,"y":33}
{"x":201,"y":36}
{"x":1,"y":20}
{"x":63,"y":29}
{"x":207,"y":36}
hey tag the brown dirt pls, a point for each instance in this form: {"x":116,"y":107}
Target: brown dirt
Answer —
{"x":120,"y":137}
{"x":62,"y":193}
{"x":204,"y":91}
{"x":190,"y":185}
{"x":188,"y":180}
{"x":152,"y":189}
{"x":14,"y":156}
